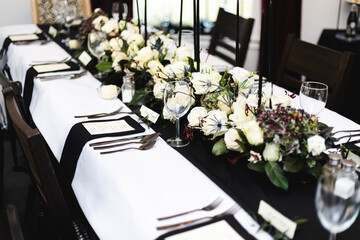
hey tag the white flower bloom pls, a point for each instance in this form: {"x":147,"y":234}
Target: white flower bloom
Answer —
{"x":206,"y":68}
{"x":176,"y":69}
{"x":122,"y":24}
{"x":316,"y":145}
{"x":254,"y":157}
{"x":230,"y":138}
{"x":132,"y":28}
{"x":239,"y":74}
{"x":214,"y":122}
{"x":159,"y":89}
{"x":282,"y":100}
{"x":116,"y":44}
{"x":99,"y":22}
{"x":253,"y":133}
{"x":182,"y":54}
{"x":146,"y":54}
{"x":117,"y":57}
{"x":132,"y":50}
{"x":111,"y":27}
{"x":204,"y":82}
{"x":104,"y":45}
{"x":195,"y":116}
{"x":135,"y":39}
{"x":169,"y":46}
{"x":155,"y":67}
{"x":240,"y":116}
{"x":272,"y":152}
{"x":125,"y":34}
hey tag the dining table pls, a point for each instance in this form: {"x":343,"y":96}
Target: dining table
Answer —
{"x":123,"y":194}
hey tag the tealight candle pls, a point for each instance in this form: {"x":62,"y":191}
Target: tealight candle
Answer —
{"x":109,"y":91}
{"x":74,"y":44}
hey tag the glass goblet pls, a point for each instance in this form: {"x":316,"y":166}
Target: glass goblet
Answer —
{"x":337,"y":209}
{"x":313,"y":97}
{"x":70,"y":16}
{"x":94,"y":43}
{"x":116,"y":11}
{"x":59,"y":9}
{"x":177,"y":101}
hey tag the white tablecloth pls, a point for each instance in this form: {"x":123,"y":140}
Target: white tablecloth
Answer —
{"x":121,"y":194}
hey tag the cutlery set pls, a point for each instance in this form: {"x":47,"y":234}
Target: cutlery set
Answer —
{"x":232,"y":210}
{"x":345,"y":136}
{"x":146,"y":141}
{"x":69,"y":76}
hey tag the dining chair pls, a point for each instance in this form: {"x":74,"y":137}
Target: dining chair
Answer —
{"x":223,"y":39}
{"x":42,"y":13}
{"x":64,"y":223}
{"x":302,"y":61}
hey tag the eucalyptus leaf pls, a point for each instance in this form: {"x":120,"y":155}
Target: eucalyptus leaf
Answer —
{"x":258,"y":167}
{"x":141,"y":97}
{"x":293,"y":164}
{"x":276,"y":175}
{"x":219,"y":148}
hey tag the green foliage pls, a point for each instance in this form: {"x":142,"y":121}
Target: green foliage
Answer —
{"x":276,"y":175}
{"x":105,"y":67}
{"x":219,"y":148}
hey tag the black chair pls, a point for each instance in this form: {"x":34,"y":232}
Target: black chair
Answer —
{"x":224,"y":37}
{"x":302,"y":60}
{"x":64,"y":223}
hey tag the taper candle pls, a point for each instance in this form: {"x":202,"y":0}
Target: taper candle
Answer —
{"x":180,"y":22}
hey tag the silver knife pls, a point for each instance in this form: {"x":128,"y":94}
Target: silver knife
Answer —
{"x":68,"y":76}
{"x":120,"y":140}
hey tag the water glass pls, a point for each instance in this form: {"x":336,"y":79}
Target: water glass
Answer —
{"x":313,"y":97}
{"x":94,"y":43}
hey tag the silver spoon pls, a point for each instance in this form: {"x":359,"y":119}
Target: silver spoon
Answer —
{"x":144,"y":146}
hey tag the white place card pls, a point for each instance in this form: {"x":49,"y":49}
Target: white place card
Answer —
{"x":85,"y":58}
{"x":214,"y":231}
{"x":151,"y":115}
{"x":95,"y":128}
{"x":51,"y":67}
{"x":23,"y":37}
{"x":279,"y":221}
{"x":52,"y":31}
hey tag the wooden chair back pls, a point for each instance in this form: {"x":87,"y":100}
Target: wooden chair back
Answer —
{"x":42,"y":14}
{"x":224,"y":37}
{"x":36,"y":153}
{"x":305,"y":61}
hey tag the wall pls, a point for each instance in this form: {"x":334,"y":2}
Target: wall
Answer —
{"x":15,"y":12}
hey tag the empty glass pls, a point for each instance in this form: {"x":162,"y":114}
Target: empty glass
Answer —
{"x":96,"y":48}
{"x":59,"y":8}
{"x":116,"y":11}
{"x":70,"y":16}
{"x":337,"y":203}
{"x":177,"y":100}
{"x":313,"y":97}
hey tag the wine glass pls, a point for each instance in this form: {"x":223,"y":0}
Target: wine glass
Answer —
{"x":70,"y":16}
{"x":337,"y":204}
{"x":59,"y":8}
{"x":94,"y":43}
{"x":115,"y":10}
{"x":177,"y":101}
{"x":313,"y":97}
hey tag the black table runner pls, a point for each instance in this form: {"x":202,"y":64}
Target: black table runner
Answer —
{"x":7,"y":40}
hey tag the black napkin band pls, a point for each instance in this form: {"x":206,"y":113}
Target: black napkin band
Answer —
{"x":29,"y":80}
{"x":7,"y":40}
{"x":78,"y":137}
{"x":230,"y":219}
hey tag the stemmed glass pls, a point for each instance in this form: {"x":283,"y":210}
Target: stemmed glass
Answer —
{"x":59,"y":8}
{"x":177,"y":101}
{"x":70,"y":16}
{"x":337,"y":209}
{"x":96,"y":49}
{"x":115,"y":10}
{"x":313,"y":97}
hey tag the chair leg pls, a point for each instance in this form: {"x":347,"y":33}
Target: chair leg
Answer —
{"x":30,"y":201}
{"x":2,"y":159}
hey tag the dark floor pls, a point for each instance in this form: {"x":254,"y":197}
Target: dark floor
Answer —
{"x":16,"y":185}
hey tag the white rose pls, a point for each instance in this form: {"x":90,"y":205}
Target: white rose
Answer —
{"x":195,"y":116}
{"x":146,"y":54}
{"x":99,"y":22}
{"x":240,"y":116}
{"x":169,"y":46}
{"x":104,"y":45}
{"x":122,"y":24}
{"x":117,"y":57}
{"x":132,"y":50}
{"x":132,"y":28}
{"x":155,"y":67}
{"x":159,"y":89}
{"x":116,"y":44}
{"x":182,"y":54}
{"x":316,"y":145}
{"x":206,"y":68}
{"x":230,"y":138}
{"x":282,"y":100}
{"x":214,"y":122}
{"x":125,"y":34}
{"x":272,"y":152}
{"x":111,"y":27}
{"x":204,"y":82}
{"x":253,"y":133}
{"x":136,"y":39}
{"x":239,"y":74}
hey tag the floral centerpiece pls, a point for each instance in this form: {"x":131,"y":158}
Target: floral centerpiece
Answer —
{"x":274,"y":138}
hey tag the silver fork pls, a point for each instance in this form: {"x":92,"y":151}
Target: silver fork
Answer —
{"x":209,"y":207}
{"x":49,"y":62}
{"x":99,"y":114}
{"x":349,"y":136}
{"x":344,"y":131}
{"x":235,"y":208}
